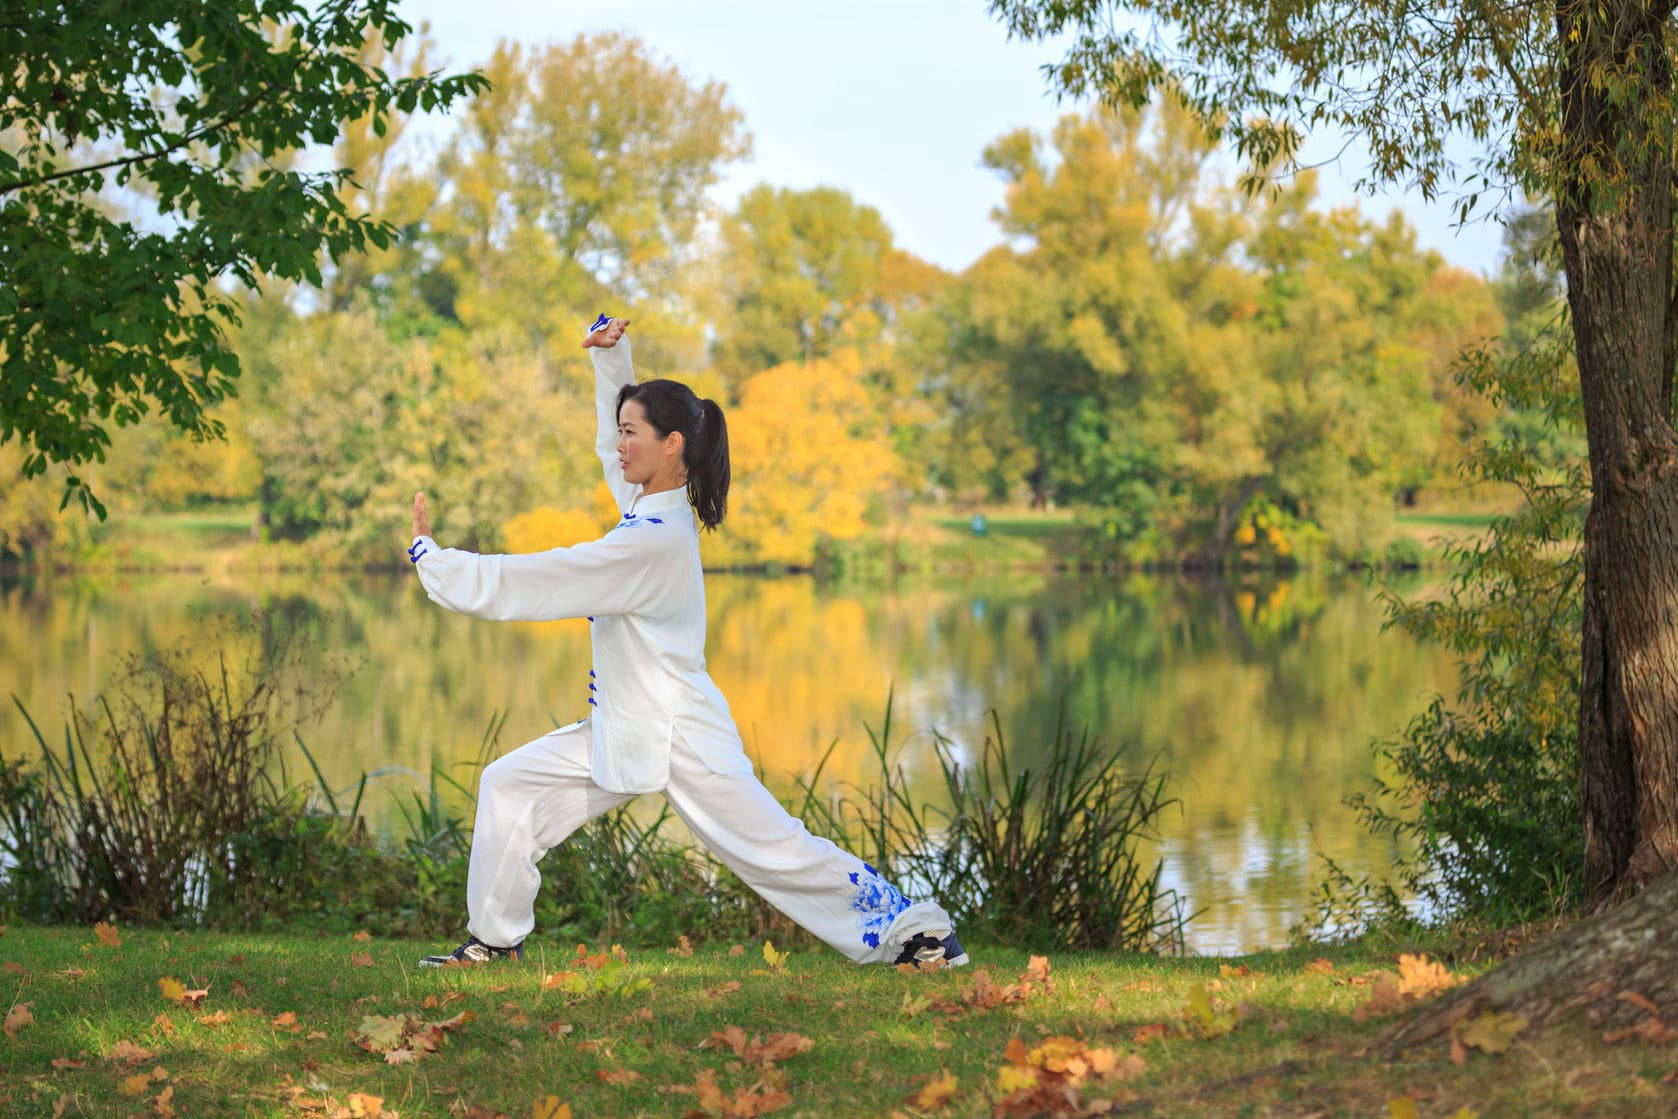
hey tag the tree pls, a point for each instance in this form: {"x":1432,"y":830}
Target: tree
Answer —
{"x":806,"y":272}
{"x":186,"y":114}
{"x":577,"y":185}
{"x":1572,"y":102}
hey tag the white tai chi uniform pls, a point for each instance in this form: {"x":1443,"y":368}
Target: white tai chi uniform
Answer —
{"x":656,"y":723}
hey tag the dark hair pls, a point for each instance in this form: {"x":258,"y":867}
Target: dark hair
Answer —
{"x":672,"y":406}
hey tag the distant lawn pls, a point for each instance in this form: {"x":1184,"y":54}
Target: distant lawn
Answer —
{"x":1029,"y":526}
{"x":1455,"y":520}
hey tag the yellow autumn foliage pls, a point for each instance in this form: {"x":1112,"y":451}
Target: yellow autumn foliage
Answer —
{"x":550,"y":527}
{"x":809,"y":459}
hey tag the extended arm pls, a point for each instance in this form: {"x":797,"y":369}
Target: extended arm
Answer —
{"x":617,"y":574}
{"x":609,"y":347}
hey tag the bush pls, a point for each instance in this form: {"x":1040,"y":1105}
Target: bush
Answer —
{"x":1482,"y":795}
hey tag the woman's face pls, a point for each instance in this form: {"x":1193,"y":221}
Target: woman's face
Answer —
{"x":645,"y":457}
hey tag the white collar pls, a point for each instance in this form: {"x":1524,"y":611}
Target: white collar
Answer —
{"x":662,"y":502}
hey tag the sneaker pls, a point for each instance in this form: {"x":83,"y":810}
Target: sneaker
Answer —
{"x":474,"y":951}
{"x":924,"y":948}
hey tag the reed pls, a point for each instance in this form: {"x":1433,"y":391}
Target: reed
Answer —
{"x":175,"y":808}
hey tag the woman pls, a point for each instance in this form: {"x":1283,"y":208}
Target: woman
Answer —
{"x":656,"y":723}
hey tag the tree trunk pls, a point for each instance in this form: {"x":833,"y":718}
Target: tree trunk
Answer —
{"x":1617,"y":250}
{"x":1586,"y":968}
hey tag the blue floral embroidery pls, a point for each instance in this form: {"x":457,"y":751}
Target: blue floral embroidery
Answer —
{"x":629,"y":521}
{"x":877,"y":902}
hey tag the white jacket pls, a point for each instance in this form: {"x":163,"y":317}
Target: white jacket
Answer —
{"x":643,"y":591}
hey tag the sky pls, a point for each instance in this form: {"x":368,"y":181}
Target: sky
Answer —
{"x":892,"y":102}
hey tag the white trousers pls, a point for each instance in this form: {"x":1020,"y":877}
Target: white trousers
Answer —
{"x":532,"y":798}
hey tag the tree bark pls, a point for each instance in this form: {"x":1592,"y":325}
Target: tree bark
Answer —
{"x":1586,"y":968}
{"x":1614,"y":211}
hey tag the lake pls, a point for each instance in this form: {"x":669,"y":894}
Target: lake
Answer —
{"x":1261,"y":700}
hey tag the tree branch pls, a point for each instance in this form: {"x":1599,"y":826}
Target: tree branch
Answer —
{"x":142,"y":157}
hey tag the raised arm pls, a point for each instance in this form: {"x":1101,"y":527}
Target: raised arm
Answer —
{"x":609,"y":347}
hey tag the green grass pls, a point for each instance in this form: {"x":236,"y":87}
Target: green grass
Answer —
{"x":877,"y":1034}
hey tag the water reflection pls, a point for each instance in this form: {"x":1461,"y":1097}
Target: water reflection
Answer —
{"x":1262,"y":700}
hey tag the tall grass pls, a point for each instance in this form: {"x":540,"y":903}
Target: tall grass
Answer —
{"x":174,"y":808}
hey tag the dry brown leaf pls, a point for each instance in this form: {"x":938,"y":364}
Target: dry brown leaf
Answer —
{"x":161,"y":1106}
{"x":1150,"y":1032}
{"x":519,"y":1020}
{"x":361,"y":959}
{"x":12,"y":967}
{"x":618,"y":1075}
{"x":107,"y":934}
{"x":400,"y":1056}
{"x":363,"y":936}
{"x":725,"y":989}
{"x":164,"y":1022}
{"x":558,"y":1029}
{"x":683,"y":949}
{"x":1241,"y":971}
{"x":737,"y":950}
{"x":935,"y":1094}
{"x":127,"y":1051}
{"x":67,"y":1062}
{"x":777,"y":1047}
{"x":363,"y":1106}
{"x":219,"y":1018}
{"x":284,"y":1019}
{"x":729,"y":1037}
{"x":1320,"y":966}
{"x":137,"y":1085}
{"x":18,"y":1017}
{"x":1418,"y":976}
{"x":1384,"y":998}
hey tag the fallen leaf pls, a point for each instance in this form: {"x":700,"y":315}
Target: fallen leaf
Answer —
{"x":737,"y":950}
{"x":125,"y":1050}
{"x":1150,"y":1032}
{"x":1384,"y":998}
{"x":107,"y":934}
{"x":725,"y":989}
{"x":551,"y":1108}
{"x":913,"y":1004}
{"x":363,"y":1106}
{"x":400,"y":1056}
{"x":935,"y":1094}
{"x":776,"y":960}
{"x":12,"y":967}
{"x":161,"y":1106}
{"x":160,"y":1074}
{"x":68,"y":1062}
{"x":18,"y":1017}
{"x":283,"y":1019}
{"x":361,"y":959}
{"x":1417,"y":975}
{"x":163,"y":1022}
{"x":683,"y":949}
{"x":219,"y":1018}
{"x":175,"y":991}
{"x":137,"y":1085}
{"x":729,"y":1037}
{"x":1239,"y":972}
{"x":519,"y":1020}
{"x":558,"y":1029}
{"x":777,"y":1047}
{"x":1493,"y":1031}
{"x":363,"y":936}
{"x":1403,"y":1107}
{"x":618,"y":1075}
{"x":1319,"y":966}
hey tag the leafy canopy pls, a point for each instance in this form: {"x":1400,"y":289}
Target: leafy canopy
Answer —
{"x":148,"y":156}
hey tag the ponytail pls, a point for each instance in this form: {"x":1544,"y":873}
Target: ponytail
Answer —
{"x":706,"y":458}
{"x":672,"y":406}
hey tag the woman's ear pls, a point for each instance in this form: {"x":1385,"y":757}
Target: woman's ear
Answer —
{"x":674,"y":444}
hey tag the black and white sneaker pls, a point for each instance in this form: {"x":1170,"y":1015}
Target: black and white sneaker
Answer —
{"x":924,"y":948}
{"x":474,"y":951}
